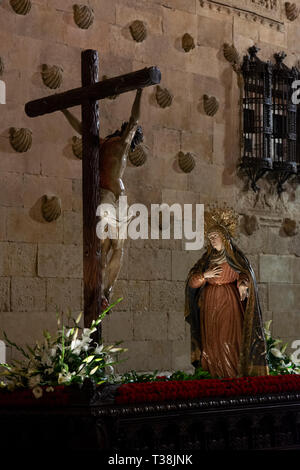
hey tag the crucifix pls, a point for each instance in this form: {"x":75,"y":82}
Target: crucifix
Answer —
{"x":87,"y":96}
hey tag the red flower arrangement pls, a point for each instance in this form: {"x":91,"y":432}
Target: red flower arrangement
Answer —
{"x":164,"y":390}
{"x":194,"y":389}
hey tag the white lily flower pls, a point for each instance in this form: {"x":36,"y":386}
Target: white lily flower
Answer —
{"x":69,"y":332}
{"x":81,"y":372}
{"x":116,"y":350}
{"x":64,"y":378}
{"x":43,"y":360}
{"x":99,"y":349}
{"x":286,"y":365}
{"x":78,"y":318}
{"x":86,"y":333}
{"x":76,"y":346}
{"x":277,"y":353}
{"x":61,"y":378}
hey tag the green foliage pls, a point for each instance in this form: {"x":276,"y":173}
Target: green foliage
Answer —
{"x":70,"y":357}
{"x":199,"y":373}
{"x":133,"y":376}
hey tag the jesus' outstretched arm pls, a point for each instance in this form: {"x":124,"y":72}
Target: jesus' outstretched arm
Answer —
{"x":75,"y":123}
{"x":129,"y":132}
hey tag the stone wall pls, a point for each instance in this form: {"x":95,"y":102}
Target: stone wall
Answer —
{"x":41,"y":263}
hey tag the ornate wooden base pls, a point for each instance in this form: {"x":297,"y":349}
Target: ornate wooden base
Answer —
{"x":93,"y":422}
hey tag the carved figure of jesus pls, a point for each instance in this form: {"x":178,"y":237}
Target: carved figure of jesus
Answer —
{"x":114,"y":151}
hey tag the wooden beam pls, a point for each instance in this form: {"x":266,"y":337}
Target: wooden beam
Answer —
{"x":90,"y":192}
{"x":97,"y":91}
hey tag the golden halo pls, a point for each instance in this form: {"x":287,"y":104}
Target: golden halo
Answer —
{"x":223,"y":219}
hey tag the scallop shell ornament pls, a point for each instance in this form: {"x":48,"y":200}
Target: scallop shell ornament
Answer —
{"x":21,"y":7}
{"x":186,"y":162}
{"x":210,"y":104}
{"x":231,"y":54}
{"x":292,"y":11}
{"x":51,"y":207}
{"x":52,"y":76}
{"x":83,"y":16}
{"x":138,"y":30}
{"x":163,"y":97}
{"x":188,"y":42}
{"x":138,"y":156}
{"x":20,"y":139}
{"x":1,"y":67}
{"x":77,"y":146}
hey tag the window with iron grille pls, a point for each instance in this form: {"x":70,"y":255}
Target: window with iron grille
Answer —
{"x":269,"y":119}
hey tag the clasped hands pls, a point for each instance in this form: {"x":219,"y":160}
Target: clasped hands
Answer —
{"x":216,"y":271}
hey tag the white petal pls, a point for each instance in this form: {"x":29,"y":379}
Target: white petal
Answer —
{"x":276,"y":352}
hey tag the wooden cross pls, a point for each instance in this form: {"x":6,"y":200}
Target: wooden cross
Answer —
{"x":87,"y":96}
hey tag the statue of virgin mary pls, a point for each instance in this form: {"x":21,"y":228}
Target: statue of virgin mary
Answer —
{"x":222,"y":304}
